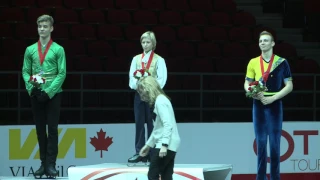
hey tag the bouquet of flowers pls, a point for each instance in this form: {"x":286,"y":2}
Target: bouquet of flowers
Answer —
{"x":141,"y":73}
{"x":36,"y":80}
{"x":255,"y":87}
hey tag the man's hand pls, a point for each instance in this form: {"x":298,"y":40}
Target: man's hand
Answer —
{"x":35,"y":92}
{"x":163,"y":151}
{"x":35,"y":84}
{"x":144,"y":151}
{"x":267,"y":100}
{"x":258,"y":96}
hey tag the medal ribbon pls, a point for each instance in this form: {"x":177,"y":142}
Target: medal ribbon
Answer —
{"x":265,"y":75}
{"x":43,"y":56}
{"x":149,"y":61}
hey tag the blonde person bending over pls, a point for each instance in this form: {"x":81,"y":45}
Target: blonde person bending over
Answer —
{"x":164,"y":137}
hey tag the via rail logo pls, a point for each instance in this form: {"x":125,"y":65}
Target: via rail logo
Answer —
{"x":22,"y":145}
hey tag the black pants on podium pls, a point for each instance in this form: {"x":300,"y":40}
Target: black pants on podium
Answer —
{"x":47,"y":114}
{"x":142,"y":116}
{"x":161,"y":166}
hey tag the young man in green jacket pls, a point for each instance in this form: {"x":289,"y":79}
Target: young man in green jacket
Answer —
{"x":44,"y":71}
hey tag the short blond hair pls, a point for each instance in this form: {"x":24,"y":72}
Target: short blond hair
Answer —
{"x":151,"y":86}
{"x":151,"y":36}
{"x":267,"y":33}
{"x":45,"y":18}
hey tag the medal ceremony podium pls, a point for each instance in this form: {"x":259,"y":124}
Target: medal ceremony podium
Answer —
{"x":123,"y":172}
{"x":111,"y":171}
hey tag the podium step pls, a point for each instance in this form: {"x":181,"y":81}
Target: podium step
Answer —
{"x":123,"y":172}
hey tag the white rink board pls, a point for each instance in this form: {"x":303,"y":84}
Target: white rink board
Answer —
{"x":201,"y":143}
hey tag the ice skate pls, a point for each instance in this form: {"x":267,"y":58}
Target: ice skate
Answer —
{"x":51,"y":172}
{"x":137,"y":160}
{"x":39,"y":173}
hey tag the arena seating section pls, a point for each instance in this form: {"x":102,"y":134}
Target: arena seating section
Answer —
{"x":195,"y":37}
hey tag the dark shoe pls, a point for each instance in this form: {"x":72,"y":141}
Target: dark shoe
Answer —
{"x":39,"y":173}
{"x":135,"y":158}
{"x":51,"y":171}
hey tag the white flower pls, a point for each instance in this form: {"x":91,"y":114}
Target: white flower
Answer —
{"x":261,"y":83}
{"x":38,"y":79}
{"x":145,"y":74}
{"x":139,"y":74}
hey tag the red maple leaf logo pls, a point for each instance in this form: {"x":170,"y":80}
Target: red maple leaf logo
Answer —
{"x":102,"y":142}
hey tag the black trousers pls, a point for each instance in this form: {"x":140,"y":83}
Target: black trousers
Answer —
{"x":47,"y":114}
{"x":161,"y":166}
{"x":142,"y":116}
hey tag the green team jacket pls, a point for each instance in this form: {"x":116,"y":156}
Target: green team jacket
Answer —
{"x":53,"y":66}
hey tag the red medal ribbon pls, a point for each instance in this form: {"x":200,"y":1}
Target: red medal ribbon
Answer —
{"x":42,"y":56}
{"x":265,"y":75}
{"x":149,"y":61}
